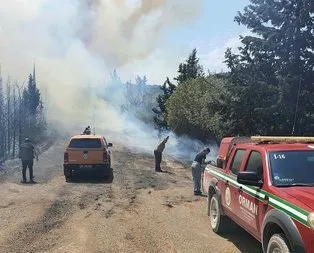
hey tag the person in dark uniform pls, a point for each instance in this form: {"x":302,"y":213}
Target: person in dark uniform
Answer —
{"x":158,"y":154}
{"x":199,"y":160}
{"x":27,"y":155}
{"x":87,"y":130}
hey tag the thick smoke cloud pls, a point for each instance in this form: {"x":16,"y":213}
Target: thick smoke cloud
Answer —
{"x":76,"y":43}
{"x":124,"y":31}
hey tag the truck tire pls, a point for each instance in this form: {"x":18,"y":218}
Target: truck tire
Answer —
{"x":67,"y":174}
{"x":218,"y":222}
{"x":278,"y":244}
{"x":110,"y":176}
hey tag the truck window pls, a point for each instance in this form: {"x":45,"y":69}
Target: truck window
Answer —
{"x":255,"y":163}
{"x":237,"y":160}
{"x":292,"y":167}
{"x":85,"y":143}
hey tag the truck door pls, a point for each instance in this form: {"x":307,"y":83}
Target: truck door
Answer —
{"x":250,"y":207}
{"x":229,"y":189}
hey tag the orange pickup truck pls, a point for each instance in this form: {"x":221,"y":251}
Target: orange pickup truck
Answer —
{"x":87,"y":152}
{"x":265,"y":184}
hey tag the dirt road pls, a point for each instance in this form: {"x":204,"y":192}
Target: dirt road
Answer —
{"x":140,"y":211}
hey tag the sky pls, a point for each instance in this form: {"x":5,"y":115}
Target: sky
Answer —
{"x":211,"y":32}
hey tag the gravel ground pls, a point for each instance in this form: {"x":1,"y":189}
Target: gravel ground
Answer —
{"x":140,"y":211}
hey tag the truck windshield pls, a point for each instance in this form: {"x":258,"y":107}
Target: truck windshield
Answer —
{"x":292,"y":168}
{"x":85,"y":143}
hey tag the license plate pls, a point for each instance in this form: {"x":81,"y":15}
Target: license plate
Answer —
{"x":86,"y":166}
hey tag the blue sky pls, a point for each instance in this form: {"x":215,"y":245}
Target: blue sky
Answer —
{"x":211,"y":33}
{"x":218,"y":18}
{"x":215,"y":22}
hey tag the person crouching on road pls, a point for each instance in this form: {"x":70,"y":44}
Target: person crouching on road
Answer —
{"x":27,"y":155}
{"x":158,"y":154}
{"x":199,"y":160}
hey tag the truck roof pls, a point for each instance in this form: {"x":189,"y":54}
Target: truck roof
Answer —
{"x":86,"y":136}
{"x":268,"y":143}
{"x":280,"y":146}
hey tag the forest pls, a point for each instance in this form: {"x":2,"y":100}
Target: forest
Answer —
{"x":268,"y":88}
{"x":22,"y":115}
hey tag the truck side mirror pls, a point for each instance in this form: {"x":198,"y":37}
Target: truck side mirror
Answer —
{"x":249,"y":178}
{"x":110,"y":144}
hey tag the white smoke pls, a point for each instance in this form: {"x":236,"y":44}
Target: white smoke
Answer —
{"x":76,"y":43}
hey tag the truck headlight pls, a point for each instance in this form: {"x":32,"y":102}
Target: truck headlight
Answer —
{"x":310,"y":220}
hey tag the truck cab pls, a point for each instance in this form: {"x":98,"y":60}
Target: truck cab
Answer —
{"x":265,"y":185}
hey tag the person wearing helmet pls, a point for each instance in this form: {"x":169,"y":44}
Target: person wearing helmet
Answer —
{"x":27,"y":155}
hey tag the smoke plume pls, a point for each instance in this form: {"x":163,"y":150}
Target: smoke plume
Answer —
{"x":76,"y":43}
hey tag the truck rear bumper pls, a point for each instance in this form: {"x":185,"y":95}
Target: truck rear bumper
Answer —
{"x":103,"y":168}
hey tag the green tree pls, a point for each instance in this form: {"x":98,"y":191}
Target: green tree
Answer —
{"x":33,"y":119}
{"x":198,"y":107}
{"x":190,"y":69}
{"x":254,"y":106}
{"x":31,"y":96}
{"x":278,"y":62}
{"x":2,"y":120}
{"x":160,"y":111}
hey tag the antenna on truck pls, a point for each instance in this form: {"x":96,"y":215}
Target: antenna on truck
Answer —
{"x":296,"y":107}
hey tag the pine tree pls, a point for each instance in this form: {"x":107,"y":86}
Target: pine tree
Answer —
{"x":114,"y":76}
{"x":32,"y":96}
{"x":32,"y":109}
{"x":278,"y":58}
{"x":190,"y":69}
{"x":2,"y":128}
{"x":161,"y":113}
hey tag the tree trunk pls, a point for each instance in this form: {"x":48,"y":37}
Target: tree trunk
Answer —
{"x":14,"y":123}
{"x":8,"y":118}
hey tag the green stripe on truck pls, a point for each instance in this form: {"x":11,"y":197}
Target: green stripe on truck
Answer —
{"x":290,"y":209}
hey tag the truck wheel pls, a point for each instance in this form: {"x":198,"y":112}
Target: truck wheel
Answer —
{"x":278,"y":244}
{"x":110,"y":176}
{"x":217,"y":221}
{"x":67,"y":174}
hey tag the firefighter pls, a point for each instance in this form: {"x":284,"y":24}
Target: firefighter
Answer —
{"x":27,"y":154}
{"x":158,"y":154}
{"x":199,"y":160}
{"x":87,"y":130}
